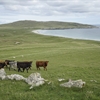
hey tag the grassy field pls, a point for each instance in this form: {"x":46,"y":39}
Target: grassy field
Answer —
{"x":68,"y":59}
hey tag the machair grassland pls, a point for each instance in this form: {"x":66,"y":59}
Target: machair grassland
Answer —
{"x":68,"y":59}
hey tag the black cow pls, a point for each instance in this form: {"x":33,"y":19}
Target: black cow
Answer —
{"x":24,"y":65}
{"x":41,"y":64}
{"x":2,"y":64}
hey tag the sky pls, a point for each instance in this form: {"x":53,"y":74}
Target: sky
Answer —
{"x":79,"y":11}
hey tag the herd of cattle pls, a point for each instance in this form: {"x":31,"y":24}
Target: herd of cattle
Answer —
{"x":22,"y":65}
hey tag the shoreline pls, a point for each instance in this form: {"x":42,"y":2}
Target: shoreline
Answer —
{"x":37,"y":32}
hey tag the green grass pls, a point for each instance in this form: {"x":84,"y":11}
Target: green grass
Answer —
{"x":68,"y":58}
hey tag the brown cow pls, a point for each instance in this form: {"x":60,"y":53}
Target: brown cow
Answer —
{"x":41,"y":64}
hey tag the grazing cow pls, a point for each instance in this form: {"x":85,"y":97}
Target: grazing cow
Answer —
{"x":24,"y":65}
{"x":41,"y":64}
{"x":2,"y":64}
{"x":13,"y":65}
{"x":7,"y":62}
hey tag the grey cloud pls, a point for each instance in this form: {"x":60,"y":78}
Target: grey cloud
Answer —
{"x":56,"y":3}
{"x":51,"y":6}
{"x":48,"y":8}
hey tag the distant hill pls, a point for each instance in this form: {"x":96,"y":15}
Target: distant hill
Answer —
{"x":45,"y":25}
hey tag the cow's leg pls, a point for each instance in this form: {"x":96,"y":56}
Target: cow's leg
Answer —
{"x":9,"y":67}
{"x":6,"y":64}
{"x":27,"y":70}
{"x":38,"y":68}
{"x":30,"y":68}
{"x":18,"y":69}
{"x":45,"y":68}
{"x":23,"y":69}
{"x":15,"y":67}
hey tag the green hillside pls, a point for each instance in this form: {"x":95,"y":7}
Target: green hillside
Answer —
{"x":68,"y":59}
{"x":45,"y":25}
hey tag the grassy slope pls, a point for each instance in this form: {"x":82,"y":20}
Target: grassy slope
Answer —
{"x":68,"y":58}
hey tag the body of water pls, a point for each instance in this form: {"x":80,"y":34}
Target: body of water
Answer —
{"x":85,"y":34}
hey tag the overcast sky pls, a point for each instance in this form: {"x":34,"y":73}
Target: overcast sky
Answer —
{"x":81,"y":11}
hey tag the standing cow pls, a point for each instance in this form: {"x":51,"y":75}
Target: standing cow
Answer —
{"x":41,"y":64}
{"x":2,"y":64}
{"x":7,"y":62}
{"x":24,"y":65}
{"x":13,"y":65}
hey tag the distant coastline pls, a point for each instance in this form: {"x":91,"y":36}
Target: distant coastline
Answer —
{"x":83,"y":34}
